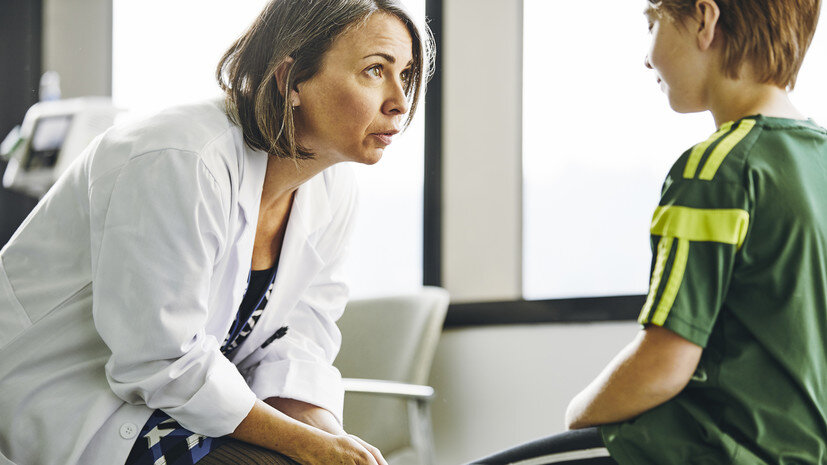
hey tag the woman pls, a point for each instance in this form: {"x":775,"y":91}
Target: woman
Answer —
{"x":173,"y":298}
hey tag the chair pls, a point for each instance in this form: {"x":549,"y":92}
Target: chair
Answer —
{"x":388,"y":345}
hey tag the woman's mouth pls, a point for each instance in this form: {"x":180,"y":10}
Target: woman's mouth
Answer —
{"x":384,"y":138}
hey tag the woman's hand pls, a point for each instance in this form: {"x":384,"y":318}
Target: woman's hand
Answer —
{"x":373,"y":450}
{"x":325,"y":421}
{"x":267,"y":427}
{"x":343,"y":450}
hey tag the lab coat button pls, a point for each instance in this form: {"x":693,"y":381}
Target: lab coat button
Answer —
{"x":129,"y":431}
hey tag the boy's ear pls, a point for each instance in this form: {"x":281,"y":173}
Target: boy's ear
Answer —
{"x":282,"y":71}
{"x":707,"y":13}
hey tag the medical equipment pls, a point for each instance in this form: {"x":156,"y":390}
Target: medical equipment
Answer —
{"x":52,"y":135}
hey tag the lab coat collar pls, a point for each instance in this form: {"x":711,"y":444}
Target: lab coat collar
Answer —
{"x":311,"y":207}
{"x":299,"y":261}
{"x":253,"y":167}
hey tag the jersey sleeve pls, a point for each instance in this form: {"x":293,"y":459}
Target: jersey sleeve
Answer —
{"x":699,"y":226}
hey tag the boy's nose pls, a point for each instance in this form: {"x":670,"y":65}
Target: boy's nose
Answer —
{"x":646,"y":62}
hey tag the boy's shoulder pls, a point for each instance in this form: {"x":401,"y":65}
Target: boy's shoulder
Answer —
{"x":753,"y":140}
{"x":721,"y":155}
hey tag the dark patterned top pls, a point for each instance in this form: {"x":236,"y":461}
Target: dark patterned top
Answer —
{"x":251,"y":308}
{"x":162,"y":440}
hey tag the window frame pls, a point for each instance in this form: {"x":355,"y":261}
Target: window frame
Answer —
{"x":490,"y":313}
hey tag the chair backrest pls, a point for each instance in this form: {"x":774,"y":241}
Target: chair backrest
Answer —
{"x":394,"y":339}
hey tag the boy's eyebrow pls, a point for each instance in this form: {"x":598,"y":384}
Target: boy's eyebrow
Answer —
{"x":390,"y":58}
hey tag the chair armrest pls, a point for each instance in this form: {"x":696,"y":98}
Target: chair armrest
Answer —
{"x":388,"y":388}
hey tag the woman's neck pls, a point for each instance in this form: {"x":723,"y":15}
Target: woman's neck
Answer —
{"x":284,"y":176}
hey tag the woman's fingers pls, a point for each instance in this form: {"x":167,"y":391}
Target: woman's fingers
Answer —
{"x":350,"y":451}
{"x":373,"y":450}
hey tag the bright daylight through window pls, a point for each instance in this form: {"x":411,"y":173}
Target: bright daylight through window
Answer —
{"x":165,"y":53}
{"x":598,"y":139}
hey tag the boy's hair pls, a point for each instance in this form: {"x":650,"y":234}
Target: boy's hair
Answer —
{"x":771,"y":35}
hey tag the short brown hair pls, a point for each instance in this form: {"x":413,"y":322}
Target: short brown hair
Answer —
{"x":302,"y":30}
{"x":771,"y":35}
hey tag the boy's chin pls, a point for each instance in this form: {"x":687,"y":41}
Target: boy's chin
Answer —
{"x":680,"y":102}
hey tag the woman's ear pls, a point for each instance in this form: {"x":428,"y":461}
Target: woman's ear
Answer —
{"x":283,"y":70}
{"x":707,"y":13}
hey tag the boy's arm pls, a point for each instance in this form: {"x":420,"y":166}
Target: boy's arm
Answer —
{"x":652,"y":369}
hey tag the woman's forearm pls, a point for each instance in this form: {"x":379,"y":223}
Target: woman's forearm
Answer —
{"x":307,"y":413}
{"x":269,"y":428}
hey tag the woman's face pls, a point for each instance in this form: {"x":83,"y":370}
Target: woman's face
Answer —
{"x":352,"y":107}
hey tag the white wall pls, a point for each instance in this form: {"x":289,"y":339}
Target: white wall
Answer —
{"x":482,"y":82}
{"x":77,"y":43}
{"x":501,"y":386}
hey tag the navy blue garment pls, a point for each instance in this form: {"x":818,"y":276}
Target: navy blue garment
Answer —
{"x":162,"y":440}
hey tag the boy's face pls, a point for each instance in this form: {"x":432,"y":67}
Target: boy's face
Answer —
{"x":682,"y":69}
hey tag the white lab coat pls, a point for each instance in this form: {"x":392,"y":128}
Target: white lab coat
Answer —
{"x":118,"y":289}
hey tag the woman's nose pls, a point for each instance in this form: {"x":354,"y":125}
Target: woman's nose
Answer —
{"x":397,"y":101}
{"x":646,"y":62}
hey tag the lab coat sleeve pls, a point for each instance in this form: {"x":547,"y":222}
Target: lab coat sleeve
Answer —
{"x":300,"y":365}
{"x":159,"y":226}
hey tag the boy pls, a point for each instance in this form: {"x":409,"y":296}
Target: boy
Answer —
{"x":731,"y":364}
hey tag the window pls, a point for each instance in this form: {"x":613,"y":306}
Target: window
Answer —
{"x":165,"y":53}
{"x":599,"y":138}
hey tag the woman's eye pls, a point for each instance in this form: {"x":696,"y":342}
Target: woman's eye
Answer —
{"x":375,"y":71}
{"x":405,"y":76}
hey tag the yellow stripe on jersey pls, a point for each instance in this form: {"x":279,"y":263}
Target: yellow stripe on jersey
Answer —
{"x":664,"y":247}
{"x":674,"y":283}
{"x":722,"y":150}
{"x":698,"y":151}
{"x":728,"y":226}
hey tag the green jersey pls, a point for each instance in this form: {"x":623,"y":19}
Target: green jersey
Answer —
{"x":740,"y":268}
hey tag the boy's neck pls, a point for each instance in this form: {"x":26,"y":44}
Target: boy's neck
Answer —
{"x":734,"y":99}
